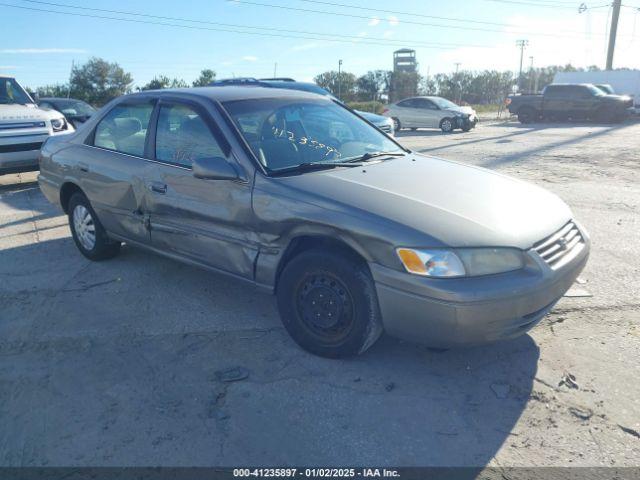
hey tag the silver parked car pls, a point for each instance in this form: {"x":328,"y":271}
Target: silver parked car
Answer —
{"x":296,"y":194}
{"x":431,"y":112}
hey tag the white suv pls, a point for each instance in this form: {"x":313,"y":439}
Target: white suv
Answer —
{"x":24,"y":127}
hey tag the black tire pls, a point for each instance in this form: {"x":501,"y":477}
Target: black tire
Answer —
{"x":526,"y":115}
{"x":467,"y":128}
{"x":397,"y":126}
{"x":103,"y":247}
{"x":348,"y":321}
{"x":447,"y":125}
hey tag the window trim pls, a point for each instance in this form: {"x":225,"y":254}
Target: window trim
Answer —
{"x":200,"y":110}
{"x":90,"y":140}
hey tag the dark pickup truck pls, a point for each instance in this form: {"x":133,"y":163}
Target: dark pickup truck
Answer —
{"x":569,"y":101}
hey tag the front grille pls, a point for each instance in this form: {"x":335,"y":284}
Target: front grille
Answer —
{"x":20,"y":147}
{"x":561,"y":247}
{"x":21,"y":125}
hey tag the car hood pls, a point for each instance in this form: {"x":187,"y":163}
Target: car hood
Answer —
{"x":29,"y":112}
{"x":463,"y":110}
{"x":372,"y":117}
{"x":451,"y":203}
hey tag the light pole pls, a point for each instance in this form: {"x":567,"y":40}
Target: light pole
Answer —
{"x":339,"y":80}
{"x":531,"y":75}
{"x":522,"y":44}
{"x":613,"y":31}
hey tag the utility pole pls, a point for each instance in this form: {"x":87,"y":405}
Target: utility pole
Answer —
{"x":522,"y":44}
{"x":531,"y":75}
{"x":613,"y":32}
{"x":339,"y":80}
{"x":275,"y":70}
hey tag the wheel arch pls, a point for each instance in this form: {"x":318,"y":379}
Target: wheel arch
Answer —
{"x":66,"y":192}
{"x":305,"y":242}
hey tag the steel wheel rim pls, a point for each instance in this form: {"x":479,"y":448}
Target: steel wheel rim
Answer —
{"x":325,"y":306}
{"x":84,"y":226}
{"x":447,"y":125}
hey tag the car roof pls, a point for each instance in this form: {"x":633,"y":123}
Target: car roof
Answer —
{"x":231,"y":92}
{"x":59,"y":99}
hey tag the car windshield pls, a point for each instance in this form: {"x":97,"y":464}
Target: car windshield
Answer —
{"x":443,"y":103}
{"x":285,"y":133}
{"x":12,"y":93}
{"x":74,"y":107}
{"x":595,"y":90}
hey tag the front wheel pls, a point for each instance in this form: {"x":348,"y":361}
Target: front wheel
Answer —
{"x":396,"y":124}
{"x":328,"y":304}
{"x":87,"y":231}
{"x":446,"y":125}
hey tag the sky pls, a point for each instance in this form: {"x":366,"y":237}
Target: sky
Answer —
{"x":302,"y":38}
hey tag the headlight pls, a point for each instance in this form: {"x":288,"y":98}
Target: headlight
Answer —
{"x":58,"y":124}
{"x":470,"y":262}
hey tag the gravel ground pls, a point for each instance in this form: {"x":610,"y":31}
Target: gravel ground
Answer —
{"x":144,"y":361}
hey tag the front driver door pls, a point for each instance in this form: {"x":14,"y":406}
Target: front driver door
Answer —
{"x":206,"y":221}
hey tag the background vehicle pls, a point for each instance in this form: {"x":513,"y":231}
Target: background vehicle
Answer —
{"x":623,"y":82}
{"x":75,"y":111}
{"x":380,"y":121}
{"x":23,"y":127}
{"x":295,"y":194}
{"x":569,"y":101}
{"x":431,"y":112}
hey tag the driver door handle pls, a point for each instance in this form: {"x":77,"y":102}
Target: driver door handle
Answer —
{"x":158,"y":187}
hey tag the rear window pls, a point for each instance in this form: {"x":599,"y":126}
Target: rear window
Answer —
{"x":124,"y":129}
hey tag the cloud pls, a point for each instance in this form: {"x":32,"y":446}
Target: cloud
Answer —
{"x":374,"y":21}
{"x":393,"y":21}
{"x":249,"y":58}
{"x":28,"y":51}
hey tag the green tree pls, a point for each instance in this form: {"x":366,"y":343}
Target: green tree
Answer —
{"x":58,"y":90}
{"x":206,"y":77}
{"x":162,"y":81}
{"x":343,"y":86}
{"x":373,"y":84}
{"x":99,"y":81}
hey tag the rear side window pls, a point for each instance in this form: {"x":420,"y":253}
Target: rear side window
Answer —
{"x":409,"y":103}
{"x":124,"y":129}
{"x":183,"y":136}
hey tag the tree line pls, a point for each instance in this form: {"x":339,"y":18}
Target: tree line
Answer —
{"x":98,"y":81}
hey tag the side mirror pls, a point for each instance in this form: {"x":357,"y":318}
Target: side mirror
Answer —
{"x":214,"y":168}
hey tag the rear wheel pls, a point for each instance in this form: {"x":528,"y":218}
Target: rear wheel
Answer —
{"x":526,"y":115}
{"x":87,"y":231}
{"x":328,"y":304}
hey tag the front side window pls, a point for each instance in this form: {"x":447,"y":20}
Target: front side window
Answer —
{"x":12,"y":93}
{"x":285,"y":133}
{"x":183,"y":136}
{"x":124,"y":129}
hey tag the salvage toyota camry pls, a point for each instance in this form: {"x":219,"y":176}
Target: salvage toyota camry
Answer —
{"x":294,"y":193}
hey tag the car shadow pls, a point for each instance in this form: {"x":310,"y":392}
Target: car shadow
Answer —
{"x":141,"y":360}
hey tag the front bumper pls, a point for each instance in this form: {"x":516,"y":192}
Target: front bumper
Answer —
{"x":448,"y":313}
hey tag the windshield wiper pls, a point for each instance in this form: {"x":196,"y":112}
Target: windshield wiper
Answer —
{"x":370,"y":155}
{"x":311,"y":166}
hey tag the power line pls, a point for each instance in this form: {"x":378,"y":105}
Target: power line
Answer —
{"x":306,"y":35}
{"x":397,"y":12}
{"x":205,"y":22}
{"x":522,"y":2}
{"x":409,"y":22}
